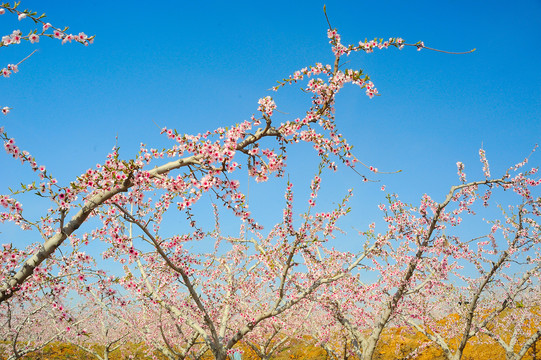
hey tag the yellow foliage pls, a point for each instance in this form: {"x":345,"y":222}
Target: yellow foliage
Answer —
{"x":395,"y":343}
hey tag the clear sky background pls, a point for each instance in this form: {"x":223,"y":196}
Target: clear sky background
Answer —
{"x":195,"y":66}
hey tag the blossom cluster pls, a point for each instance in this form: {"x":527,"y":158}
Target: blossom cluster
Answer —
{"x":8,"y":70}
{"x":22,"y":155}
{"x":14,"y":38}
{"x":33,"y":36}
{"x":461,"y":173}
{"x":367,"y":46}
{"x":266,"y":105}
{"x":11,"y":256}
{"x":14,"y":208}
{"x":483,"y":158}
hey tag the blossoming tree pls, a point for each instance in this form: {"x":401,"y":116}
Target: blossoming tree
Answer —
{"x":417,"y":254}
{"x":506,"y":275}
{"x":191,"y":302}
{"x":205,"y":162}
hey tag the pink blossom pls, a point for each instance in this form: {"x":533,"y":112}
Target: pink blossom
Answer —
{"x":68,"y":37}
{"x":16,"y":36}
{"x":34,"y":38}
{"x":331,"y":33}
{"x":81,"y":37}
{"x":21,"y":16}
{"x":5,"y":110}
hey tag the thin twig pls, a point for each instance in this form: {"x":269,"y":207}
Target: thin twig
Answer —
{"x":442,"y":51}
{"x":326,"y":17}
{"x":23,"y":60}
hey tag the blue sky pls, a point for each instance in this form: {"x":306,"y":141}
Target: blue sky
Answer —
{"x":195,"y":67}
